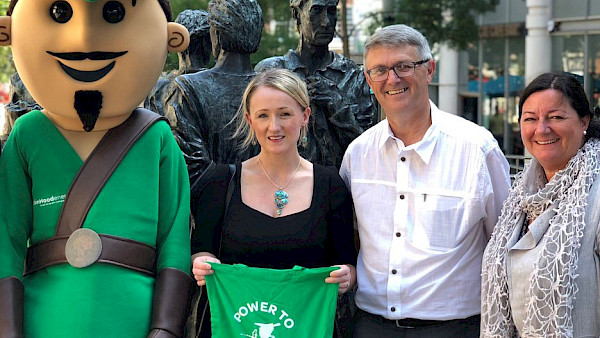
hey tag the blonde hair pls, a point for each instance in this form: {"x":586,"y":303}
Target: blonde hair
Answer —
{"x":276,"y":78}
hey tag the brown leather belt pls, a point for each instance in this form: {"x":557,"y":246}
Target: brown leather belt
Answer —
{"x":82,"y":247}
{"x":119,"y":251}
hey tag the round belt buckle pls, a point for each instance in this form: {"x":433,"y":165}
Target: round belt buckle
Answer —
{"x":83,"y":248}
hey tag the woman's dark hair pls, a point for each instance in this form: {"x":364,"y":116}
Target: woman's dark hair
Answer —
{"x":164,"y":4}
{"x":572,"y":91}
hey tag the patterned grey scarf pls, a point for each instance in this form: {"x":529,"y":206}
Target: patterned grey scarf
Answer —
{"x":552,"y":284}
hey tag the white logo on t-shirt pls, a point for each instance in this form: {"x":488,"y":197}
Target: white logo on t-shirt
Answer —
{"x":264,"y":330}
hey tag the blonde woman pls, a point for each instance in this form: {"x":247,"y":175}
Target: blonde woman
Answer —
{"x":283,"y":210}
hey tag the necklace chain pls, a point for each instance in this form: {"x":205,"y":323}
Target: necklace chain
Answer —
{"x":269,"y":178}
{"x":281,"y":197}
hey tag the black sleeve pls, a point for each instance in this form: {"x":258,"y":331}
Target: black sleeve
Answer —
{"x":340,"y":220}
{"x":207,"y":205}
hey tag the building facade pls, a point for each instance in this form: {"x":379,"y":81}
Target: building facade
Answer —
{"x":518,"y":41}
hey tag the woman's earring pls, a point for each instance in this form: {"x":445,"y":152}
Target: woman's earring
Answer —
{"x":303,"y":136}
{"x":584,"y":132}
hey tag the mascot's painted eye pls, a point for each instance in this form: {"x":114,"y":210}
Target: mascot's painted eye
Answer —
{"x":61,"y":11}
{"x":113,"y":12}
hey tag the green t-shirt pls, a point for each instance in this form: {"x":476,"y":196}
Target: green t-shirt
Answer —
{"x":270,"y":303}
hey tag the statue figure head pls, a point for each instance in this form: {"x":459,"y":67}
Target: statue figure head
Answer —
{"x":235,"y":25}
{"x":197,"y":55}
{"x":315,"y":20}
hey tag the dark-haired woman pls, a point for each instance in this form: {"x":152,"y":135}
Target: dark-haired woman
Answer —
{"x":541,"y":268}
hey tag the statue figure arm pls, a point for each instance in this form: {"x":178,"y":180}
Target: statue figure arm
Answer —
{"x":182,"y":110}
{"x":365,"y":111}
{"x":327,"y":99}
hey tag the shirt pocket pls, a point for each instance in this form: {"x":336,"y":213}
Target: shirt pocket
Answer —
{"x":441,"y":220}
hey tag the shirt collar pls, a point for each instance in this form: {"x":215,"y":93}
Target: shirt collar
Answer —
{"x":294,"y":63}
{"x":423,"y":148}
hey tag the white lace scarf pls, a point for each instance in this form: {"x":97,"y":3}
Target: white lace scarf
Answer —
{"x":552,"y":286}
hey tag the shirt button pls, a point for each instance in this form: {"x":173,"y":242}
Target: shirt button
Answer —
{"x":401,"y":197}
{"x":393,"y":309}
{"x":394,"y":272}
{"x":402,"y":158}
{"x":398,"y":234}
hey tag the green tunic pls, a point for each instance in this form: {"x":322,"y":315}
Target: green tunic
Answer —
{"x":146,"y":199}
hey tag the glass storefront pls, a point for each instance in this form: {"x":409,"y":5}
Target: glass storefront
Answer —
{"x":492,"y":70}
{"x":516,"y":73}
{"x":568,"y":54}
{"x":580,"y":56}
{"x":593,"y":80}
{"x":503,"y":80}
{"x":492,"y":73}
{"x":594,"y":8}
{"x":500,"y":67}
{"x":578,"y":51}
{"x":570,"y":8}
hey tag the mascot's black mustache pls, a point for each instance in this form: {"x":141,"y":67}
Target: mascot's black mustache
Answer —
{"x":88,"y":104}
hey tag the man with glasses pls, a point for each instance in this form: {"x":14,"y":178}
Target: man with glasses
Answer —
{"x":428,"y":187}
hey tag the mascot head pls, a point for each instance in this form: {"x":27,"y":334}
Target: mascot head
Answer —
{"x":89,"y":64}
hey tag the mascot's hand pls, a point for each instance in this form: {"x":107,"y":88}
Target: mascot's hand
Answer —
{"x":159,"y":333}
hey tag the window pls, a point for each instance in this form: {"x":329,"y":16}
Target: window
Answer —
{"x":570,"y":8}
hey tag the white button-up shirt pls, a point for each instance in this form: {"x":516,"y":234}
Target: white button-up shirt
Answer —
{"x":424,"y":214}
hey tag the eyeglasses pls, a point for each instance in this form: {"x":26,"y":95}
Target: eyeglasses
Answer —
{"x":402,"y":69}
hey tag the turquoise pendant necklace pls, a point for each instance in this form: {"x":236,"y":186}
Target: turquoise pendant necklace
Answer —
{"x":281,"y":197}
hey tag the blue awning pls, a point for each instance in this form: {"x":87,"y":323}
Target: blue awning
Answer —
{"x":495,"y":87}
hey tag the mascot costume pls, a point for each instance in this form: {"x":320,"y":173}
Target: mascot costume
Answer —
{"x":94,"y":192}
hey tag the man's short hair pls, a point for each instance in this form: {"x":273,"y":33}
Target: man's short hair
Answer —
{"x":399,"y":36}
{"x":238,"y":24}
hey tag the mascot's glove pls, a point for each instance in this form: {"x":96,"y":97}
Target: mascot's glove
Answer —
{"x":11,"y":308}
{"x":170,"y":306}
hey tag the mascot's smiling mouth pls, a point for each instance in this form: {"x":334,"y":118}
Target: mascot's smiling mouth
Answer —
{"x":87,"y":76}
{"x":82,"y":75}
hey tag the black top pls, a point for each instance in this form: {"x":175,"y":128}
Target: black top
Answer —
{"x":321,"y":235}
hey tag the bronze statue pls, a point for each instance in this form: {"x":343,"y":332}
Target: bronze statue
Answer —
{"x":340,"y":99}
{"x":192,"y":60}
{"x":205,"y":102}
{"x":20,"y":102}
